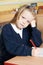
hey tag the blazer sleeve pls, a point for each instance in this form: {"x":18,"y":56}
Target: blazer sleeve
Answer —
{"x":12,"y":47}
{"x":36,"y":36}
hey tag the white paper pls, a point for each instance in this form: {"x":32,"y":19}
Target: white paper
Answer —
{"x":38,"y":53}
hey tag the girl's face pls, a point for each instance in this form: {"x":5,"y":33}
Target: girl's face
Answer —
{"x":24,"y":20}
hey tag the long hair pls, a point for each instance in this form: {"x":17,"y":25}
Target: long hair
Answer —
{"x":19,"y":12}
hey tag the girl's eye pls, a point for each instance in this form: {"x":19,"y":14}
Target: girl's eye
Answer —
{"x":23,"y":17}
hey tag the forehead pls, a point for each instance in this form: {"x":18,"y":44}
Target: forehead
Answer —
{"x":27,"y":14}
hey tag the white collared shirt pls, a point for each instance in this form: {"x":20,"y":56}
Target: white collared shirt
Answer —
{"x":18,"y":31}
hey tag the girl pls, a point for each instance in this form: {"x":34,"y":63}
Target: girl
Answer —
{"x":17,"y":34}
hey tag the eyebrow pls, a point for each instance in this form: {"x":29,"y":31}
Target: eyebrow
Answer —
{"x":28,"y":20}
{"x":25,"y":18}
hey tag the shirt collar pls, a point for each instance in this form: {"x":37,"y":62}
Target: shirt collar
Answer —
{"x":18,"y":31}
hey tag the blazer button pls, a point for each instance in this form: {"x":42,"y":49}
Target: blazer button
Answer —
{"x":22,"y":44}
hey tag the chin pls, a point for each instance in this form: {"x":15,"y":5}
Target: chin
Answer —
{"x":20,"y":27}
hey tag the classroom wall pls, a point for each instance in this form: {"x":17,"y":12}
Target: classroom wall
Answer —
{"x":10,"y":4}
{"x":40,"y":4}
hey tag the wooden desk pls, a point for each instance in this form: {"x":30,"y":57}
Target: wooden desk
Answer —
{"x":25,"y":60}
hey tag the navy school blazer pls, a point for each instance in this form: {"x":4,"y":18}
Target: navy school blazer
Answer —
{"x":13,"y":45}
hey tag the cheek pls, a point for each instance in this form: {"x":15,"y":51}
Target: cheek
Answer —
{"x":20,"y":20}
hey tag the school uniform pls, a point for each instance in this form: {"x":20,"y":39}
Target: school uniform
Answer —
{"x":18,"y":43}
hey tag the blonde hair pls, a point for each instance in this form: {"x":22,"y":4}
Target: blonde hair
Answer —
{"x":20,"y":10}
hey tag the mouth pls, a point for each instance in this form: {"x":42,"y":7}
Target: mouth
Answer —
{"x":21,"y":24}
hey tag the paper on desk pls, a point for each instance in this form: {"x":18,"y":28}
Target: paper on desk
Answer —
{"x":39,"y":53}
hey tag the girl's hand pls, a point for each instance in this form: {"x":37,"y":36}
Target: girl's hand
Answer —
{"x":33,"y":23}
{"x":35,"y":51}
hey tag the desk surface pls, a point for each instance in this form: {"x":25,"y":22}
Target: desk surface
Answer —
{"x":25,"y":60}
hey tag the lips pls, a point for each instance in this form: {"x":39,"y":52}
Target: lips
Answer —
{"x":21,"y":24}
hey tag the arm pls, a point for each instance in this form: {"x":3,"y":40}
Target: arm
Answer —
{"x":12,"y":47}
{"x":36,"y":34}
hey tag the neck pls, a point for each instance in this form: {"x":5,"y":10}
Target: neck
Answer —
{"x":16,"y":26}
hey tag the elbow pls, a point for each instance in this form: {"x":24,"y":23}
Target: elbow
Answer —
{"x":39,"y":44}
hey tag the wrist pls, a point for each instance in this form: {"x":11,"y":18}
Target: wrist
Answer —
{"x":33,"y":23}
{"x":32,"y":52}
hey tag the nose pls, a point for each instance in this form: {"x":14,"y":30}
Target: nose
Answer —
{"x":24,"y":22}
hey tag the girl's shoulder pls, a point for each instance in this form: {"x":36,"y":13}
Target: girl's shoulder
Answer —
{"x":6,"y":26}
